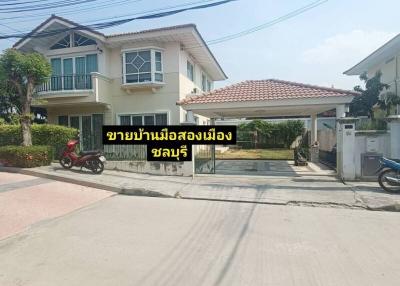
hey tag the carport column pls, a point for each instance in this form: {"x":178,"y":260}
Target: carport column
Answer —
{"x":314,"y":128}
{"x":314,"y":151}
{"x":340,"y":113}
{"x":394,"y":127}
{"x":345,"y":148}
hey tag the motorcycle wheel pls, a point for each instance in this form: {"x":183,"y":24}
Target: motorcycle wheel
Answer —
{"x":96,"y":166}
{"x":66,"y":162}
{"x":385,"y":184}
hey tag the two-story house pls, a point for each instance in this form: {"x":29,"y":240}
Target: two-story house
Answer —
{"x":131,"y":78}
{"x":386,"y":60}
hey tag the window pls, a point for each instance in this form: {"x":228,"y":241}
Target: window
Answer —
{"x":144,"y":119}
{"x":89,"y":126}
{"x":209,"y":85}
{"x":206,"y":83}
{"x":73,"y":73}
{"x":62,"y":44}
{"x":80,"y":41}
{"x":75,"y":39}
{"x":143,"y":66}
{"x":190,"y":71}
{"x":158,"y":74}
{"x":63,"y":120}
{"x":203,"y":82}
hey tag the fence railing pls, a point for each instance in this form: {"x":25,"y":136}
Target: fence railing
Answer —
{"x":66,"y":82}
{"x":125,"y":152}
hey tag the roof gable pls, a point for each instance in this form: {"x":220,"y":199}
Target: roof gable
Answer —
{"x":51,"y":30}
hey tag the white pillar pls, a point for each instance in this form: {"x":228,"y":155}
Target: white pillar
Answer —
{"x":394,"y":127}
{"x":314,"y":129}
{"x":341,"y":111}
{"x":346,"y":142}
{"x":314,"y":148}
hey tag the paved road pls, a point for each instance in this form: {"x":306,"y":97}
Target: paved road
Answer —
{"x":26,"y":200}
{"x":142,"y":241}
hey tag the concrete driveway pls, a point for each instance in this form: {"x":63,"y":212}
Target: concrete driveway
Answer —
{"x":26,"y":200}
{"x":126,"y":240}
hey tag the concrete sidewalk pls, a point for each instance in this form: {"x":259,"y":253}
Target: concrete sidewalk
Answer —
{"x":304,"y":190}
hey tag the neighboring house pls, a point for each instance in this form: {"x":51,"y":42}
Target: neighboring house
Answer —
{"x":386,"y":59}
{"x":131,"y":78}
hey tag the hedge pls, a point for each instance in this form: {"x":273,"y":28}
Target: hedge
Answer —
{"x":26,"y":157}
{"x":42,"y":134}
{"x":269,"y":135}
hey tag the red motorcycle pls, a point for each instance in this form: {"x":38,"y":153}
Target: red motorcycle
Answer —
{"x":92,"y":160}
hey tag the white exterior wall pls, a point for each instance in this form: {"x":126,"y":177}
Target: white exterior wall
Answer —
{"x":187,"y":86}
{"x":383,"y":147}
{"x":389,"y":72}
{"x":146,"y":100}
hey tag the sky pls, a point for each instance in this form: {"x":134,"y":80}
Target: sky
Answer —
{"x":315,"y":47}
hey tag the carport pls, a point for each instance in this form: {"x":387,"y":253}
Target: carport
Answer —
{"x":274,"y":98}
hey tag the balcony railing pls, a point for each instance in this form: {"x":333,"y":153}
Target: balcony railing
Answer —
{"x":67,"y":82}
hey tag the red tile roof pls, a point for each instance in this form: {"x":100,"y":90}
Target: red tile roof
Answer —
{"x":261,"y":90}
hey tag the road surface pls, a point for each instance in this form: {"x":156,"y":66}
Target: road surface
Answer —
{"x":123,"y":240}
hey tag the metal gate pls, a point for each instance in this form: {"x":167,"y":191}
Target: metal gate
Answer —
{"x":204,"y":159}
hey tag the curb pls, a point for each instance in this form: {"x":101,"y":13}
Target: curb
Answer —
{"x":112,"y":188}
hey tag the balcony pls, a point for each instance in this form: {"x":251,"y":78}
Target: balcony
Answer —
{"x":74,"y":89}
{"x":66,"y":83}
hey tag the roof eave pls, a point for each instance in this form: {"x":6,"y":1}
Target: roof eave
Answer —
{"x":365,"y":64}
{"x":203,"y":43}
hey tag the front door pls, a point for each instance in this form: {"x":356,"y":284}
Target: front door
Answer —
{"x":90,"y":129}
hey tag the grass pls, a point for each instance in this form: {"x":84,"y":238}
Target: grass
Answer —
{"x":260,"y":154}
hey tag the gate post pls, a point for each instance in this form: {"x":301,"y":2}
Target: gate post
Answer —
{"x":394,"y":127}
{"x":191,"y":121}
{"x":345,"y":148}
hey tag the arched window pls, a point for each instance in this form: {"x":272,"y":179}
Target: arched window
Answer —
{"x":62,"y":44}
{"x":78,"y":41}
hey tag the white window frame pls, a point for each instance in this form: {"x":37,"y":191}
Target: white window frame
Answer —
{"x":208,"y":85}
{"x":73,"y":57}
{"x":187,"y":70}
{"x":203,"y":81}
{"x":143,"y":115}
{"x":152,"y":65}
{"x":71,"y":41}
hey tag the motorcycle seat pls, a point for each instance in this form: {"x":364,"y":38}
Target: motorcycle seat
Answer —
{"x":396,"y":160}
{"x":91,"y":152}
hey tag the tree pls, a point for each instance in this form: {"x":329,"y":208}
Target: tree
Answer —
{"x":388,"y":101}
{"x":23,"y":72}
{"x":363,"y":105}
{"x":9,"y":101}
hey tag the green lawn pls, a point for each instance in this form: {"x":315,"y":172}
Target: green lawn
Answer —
{"x":252,"y":154}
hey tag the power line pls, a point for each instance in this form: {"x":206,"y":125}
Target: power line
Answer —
{"x":90,"y":8}
{"x":44,"y":6}
{"x":264,"y":25}
{"x":103,"y":25}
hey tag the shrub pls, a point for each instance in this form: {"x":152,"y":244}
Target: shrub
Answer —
{"x":277,"y":135}
{"x":26,"y":157}
{"x":42,"y":134}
